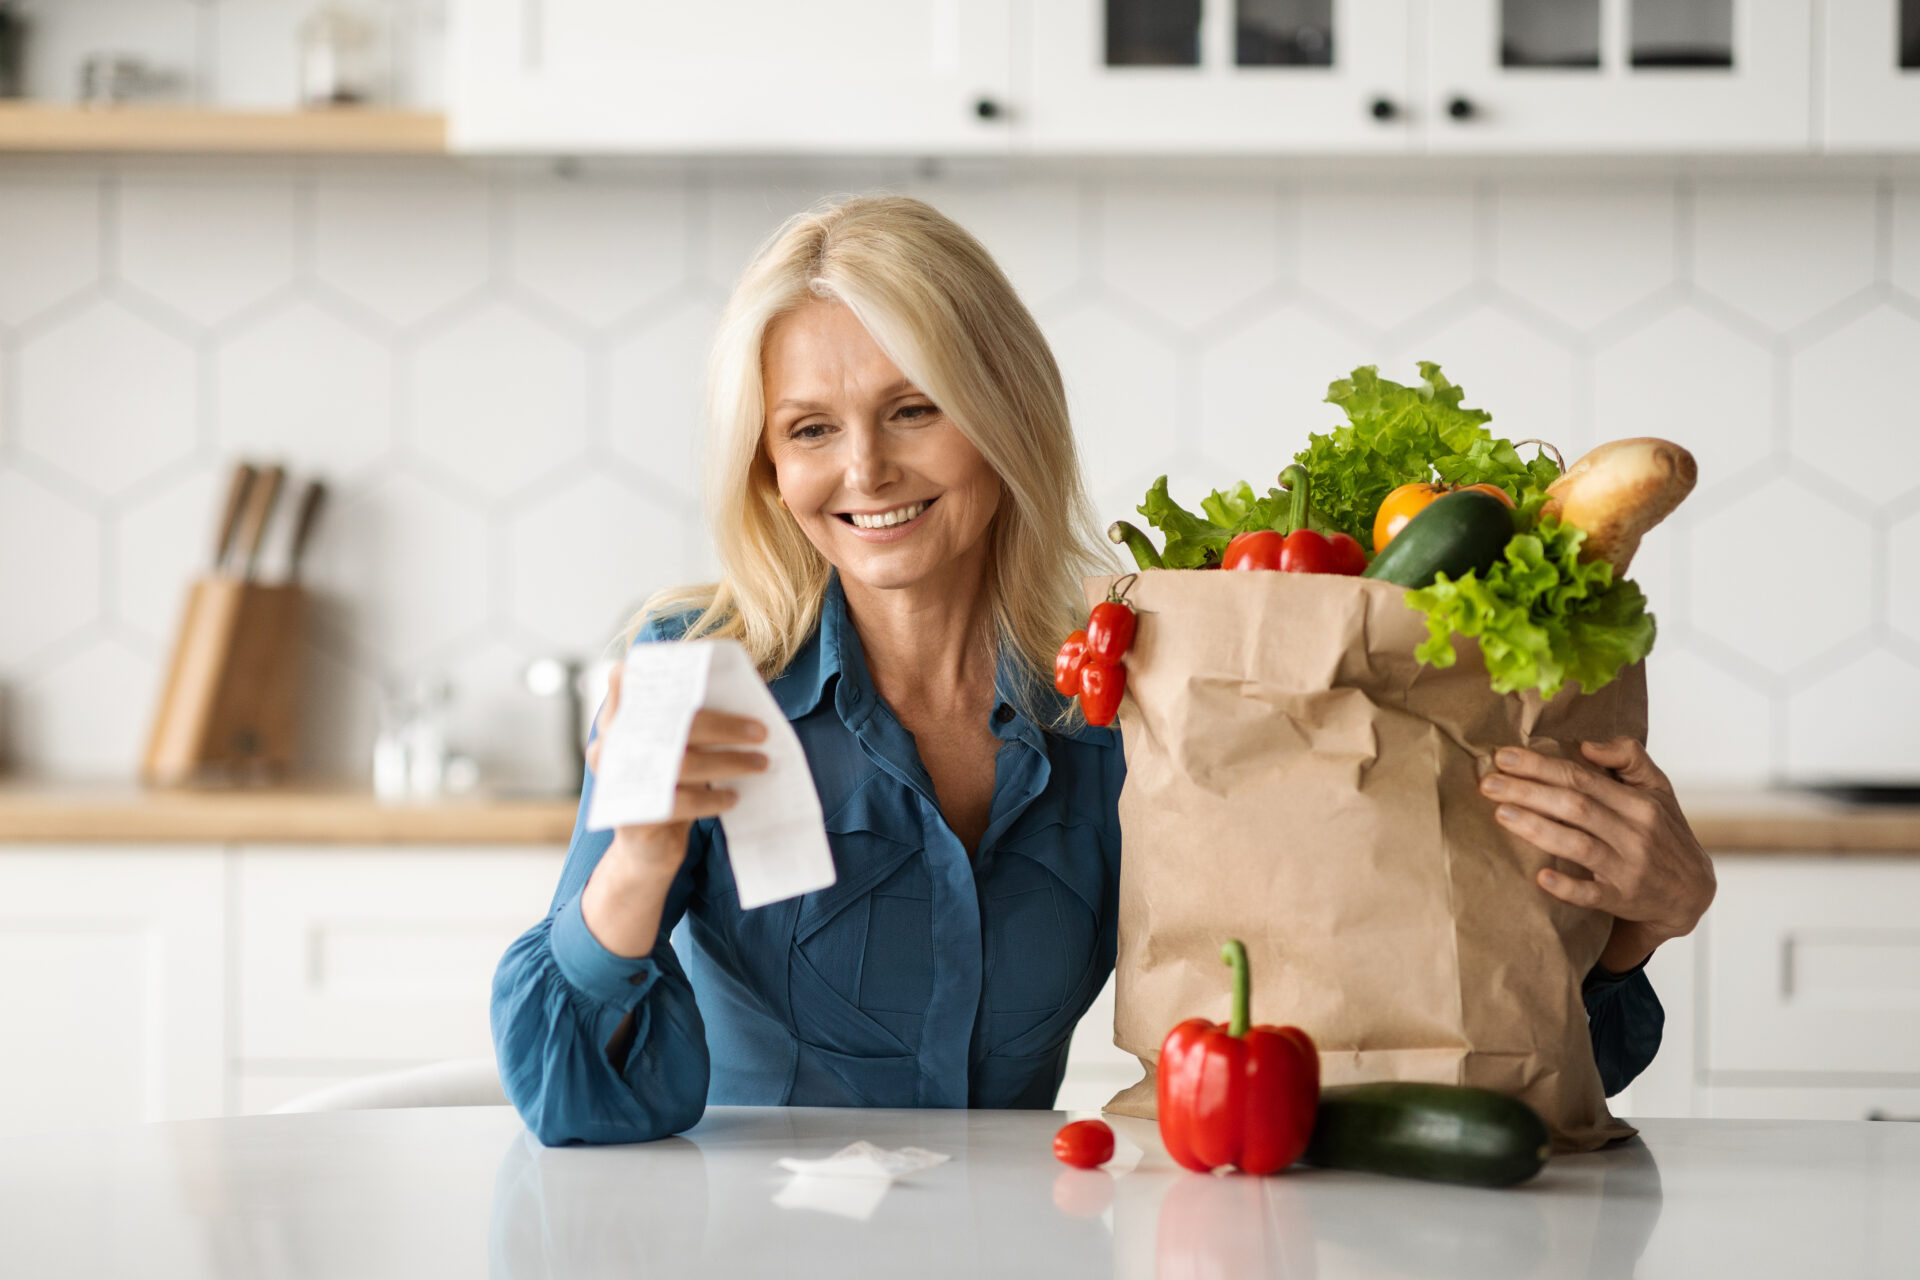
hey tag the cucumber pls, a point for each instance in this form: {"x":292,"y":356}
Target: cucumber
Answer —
{"x":1458,"y":531}
{"x":1437,"y":1132}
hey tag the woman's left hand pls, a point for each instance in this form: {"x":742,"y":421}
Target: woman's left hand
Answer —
{"x":1622,"y":823}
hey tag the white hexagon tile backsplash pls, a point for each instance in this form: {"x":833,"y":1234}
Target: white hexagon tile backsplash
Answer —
{"x":500,"y":373}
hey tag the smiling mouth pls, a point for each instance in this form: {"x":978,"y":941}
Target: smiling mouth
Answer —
{"x":886,"y":519}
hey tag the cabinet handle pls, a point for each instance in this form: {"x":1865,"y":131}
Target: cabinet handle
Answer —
{"x":988,"y":109}
{"x":1384,"y":109}
{"x":1462,"y":109}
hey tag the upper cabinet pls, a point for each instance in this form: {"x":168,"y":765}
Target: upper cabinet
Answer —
{"x":1185,"y":77}
{"x":743,"y":76}
{"x":1620,"y":75}
{"x":1872,"y":75}
{"x":1221,"y":76}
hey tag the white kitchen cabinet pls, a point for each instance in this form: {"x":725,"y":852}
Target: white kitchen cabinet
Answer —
{"x":112,"y":985}
{"x":1620,"y":75}
{"x":1813,"y":971}
{"x":360,"y":960}
{"x":1872,"y":75}
{"x":742,"y":76}
{"x":1219,"y":76}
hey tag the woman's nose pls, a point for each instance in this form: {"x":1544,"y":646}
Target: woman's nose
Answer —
{"x":870,"y":464}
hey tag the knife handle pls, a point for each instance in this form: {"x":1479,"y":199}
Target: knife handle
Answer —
{"x":253,"y":518}
{"x":310,"y":502}
{"x":237,"y":490}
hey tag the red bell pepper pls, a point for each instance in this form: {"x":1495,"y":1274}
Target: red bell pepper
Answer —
{"x":1299,"y":551}
{"x":1234,"y":1094}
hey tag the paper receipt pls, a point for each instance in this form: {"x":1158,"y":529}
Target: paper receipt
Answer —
{"x":776,"y":837}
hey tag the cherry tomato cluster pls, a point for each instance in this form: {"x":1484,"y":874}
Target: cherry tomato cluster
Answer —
{"x":1088,"y":664}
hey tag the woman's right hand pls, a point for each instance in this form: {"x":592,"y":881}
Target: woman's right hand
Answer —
{"x":627,"y":892}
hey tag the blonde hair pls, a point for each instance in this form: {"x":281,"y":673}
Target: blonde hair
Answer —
{"x":936,"y":303}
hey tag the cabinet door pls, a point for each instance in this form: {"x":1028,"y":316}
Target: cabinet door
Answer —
{"x":112,"y":985}
{"x":1813,"y":973}
{"x":1221,"y":76}
{"x":1620,"y":75}
{"x":363,"y":959}
{"x":749,"y":76}
{"x":1872,"y":75}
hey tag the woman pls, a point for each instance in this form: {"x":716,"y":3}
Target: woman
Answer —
{"x":902,"y":531}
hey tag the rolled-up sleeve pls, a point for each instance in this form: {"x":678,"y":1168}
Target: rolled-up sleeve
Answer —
{"x":1625,"y":1019}
{"x":560,"y":1000}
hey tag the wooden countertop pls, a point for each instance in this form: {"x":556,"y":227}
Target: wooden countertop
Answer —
{"x":105,"y":813}
{"x":1727,"y":821}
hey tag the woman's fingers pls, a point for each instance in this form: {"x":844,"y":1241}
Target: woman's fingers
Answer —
{"x":695,"y":802}
{"x":718,"y":729}
{"x":1578,"y":809}
{"x":1629,"y":762}
{"x":1558,"y":838}
{"x":1581,"y":893}
{"x":699,"y":767}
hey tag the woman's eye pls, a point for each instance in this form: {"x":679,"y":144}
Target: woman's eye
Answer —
{"x":915,"y":412}
{"x":809,"y":431}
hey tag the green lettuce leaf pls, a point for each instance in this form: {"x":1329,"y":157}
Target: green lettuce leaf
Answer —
{"x":1396,"y":435}
{"x":1542,"y":618}
{"x":1195,"y":541}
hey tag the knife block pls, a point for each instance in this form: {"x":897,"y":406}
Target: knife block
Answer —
{"x":231,"y":706}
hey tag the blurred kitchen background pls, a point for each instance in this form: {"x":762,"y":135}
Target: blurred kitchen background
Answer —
{"x":460,"y":259}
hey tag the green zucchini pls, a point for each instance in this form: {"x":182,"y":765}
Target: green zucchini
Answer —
{"x":1459,"y":531}
{"x":1438,"y":1132}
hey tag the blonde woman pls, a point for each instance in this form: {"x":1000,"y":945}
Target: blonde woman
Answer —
{"x":902,"y":530}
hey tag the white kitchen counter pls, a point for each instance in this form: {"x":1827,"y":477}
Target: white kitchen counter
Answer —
{"x":468,"y":1193}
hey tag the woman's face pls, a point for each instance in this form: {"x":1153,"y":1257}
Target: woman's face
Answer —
{"x":881,"y":481}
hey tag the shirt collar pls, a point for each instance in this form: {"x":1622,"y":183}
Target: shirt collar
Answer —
{"x":834,"y":651}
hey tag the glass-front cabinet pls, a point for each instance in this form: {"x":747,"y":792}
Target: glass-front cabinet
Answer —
{"x":1872,"y":75}
{"x":719,"y":76}
{"x":1218,"y":76}
{"x":1620,"y":75}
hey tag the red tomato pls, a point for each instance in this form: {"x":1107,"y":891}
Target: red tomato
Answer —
{"x":1084,"y":1144}
{"x":1109,"y":631}
{"x":1257,"y":550}
{"x":1348,"y":557}
{"x":1101,"y":684}
{"x":1066,"y":664}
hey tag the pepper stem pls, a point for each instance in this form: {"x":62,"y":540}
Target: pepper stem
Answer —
{"x":1294,"y":481}
{"x":1234,"y":954}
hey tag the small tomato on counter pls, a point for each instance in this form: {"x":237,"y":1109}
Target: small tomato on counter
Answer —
{"x":1084,"y":1144}
{"x":1236,"y":1094}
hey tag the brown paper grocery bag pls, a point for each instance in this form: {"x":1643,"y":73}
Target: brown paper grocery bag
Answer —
{"x":1297,"y":780}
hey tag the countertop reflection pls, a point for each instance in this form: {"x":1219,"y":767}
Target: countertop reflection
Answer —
{"x":467,"y":1192}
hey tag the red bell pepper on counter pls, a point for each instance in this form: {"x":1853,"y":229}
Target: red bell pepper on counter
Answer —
{"x":1234,"y":1094}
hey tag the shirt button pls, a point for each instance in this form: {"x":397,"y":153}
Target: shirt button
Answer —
{"x":1003,"y":714}
{"x":637,"y":979}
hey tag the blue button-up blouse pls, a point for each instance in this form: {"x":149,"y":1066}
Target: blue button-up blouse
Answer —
{"x":920,"y":978}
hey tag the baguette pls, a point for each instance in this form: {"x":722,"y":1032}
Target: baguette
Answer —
{"x":1619,"y":491}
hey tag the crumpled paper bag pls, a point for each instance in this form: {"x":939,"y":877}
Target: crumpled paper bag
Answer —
{"x":1297,"y":780}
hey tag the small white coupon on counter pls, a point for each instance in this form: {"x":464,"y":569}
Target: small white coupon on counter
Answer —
{"x":776,"y":837}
